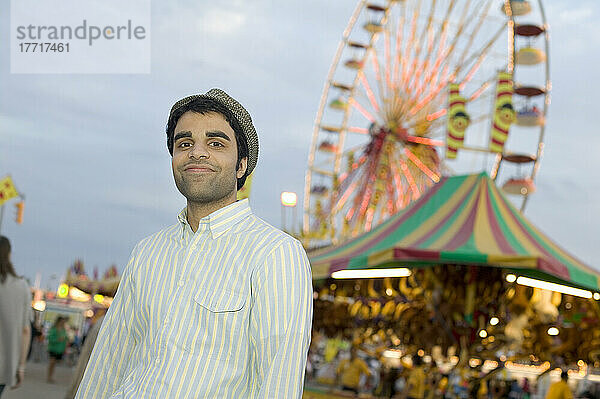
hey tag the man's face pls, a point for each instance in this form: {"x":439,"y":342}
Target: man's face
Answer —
{"x":205,"y":157}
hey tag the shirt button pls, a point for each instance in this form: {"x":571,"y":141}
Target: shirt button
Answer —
{"x":181,"y":283}
{"x":157,"y":361}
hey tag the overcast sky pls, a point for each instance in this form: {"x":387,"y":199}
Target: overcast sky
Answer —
{"x":89,"y":151}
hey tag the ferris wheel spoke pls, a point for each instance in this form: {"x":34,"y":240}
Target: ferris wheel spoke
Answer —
{"x":340,"y":204}
{"x":367,"y":87}
{"x":354,"y":167}
{"x":436,"y":115}
{"x":391,"y":198}
{"x":369,"y":214}
{"x":345,"y":195}
{"x":362,"y":110}
{"x":362,"y":194}
{"x":441,"y":34}
{"x":478,"y":26}
{"x":409,"y":178}
{"x":371,"y":178}
{"x":398,"y":185}
{"x":322,"y":172}
{"x":398,"y":49}
{"x":417,"y":162}
{"x":360,"y":130}
{"x":426,"y":141}
{"x":478,"y":56}
{"x":387,"y":61}
{"x":478,"y":118}
{"x":408,"y":48}
{"x":427,"y":99}
{"x":364,"y":204}
{"x":377,"y":72}
{"x":407,"y":191}
{"x":392,"y":180}
{"x":419,"y":67}
{"x":444,"y":57}
{"x":477,"y":94}
{"x":430,"y":33}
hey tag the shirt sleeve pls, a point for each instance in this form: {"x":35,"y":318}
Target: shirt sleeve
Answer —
{"x":280,"y":322}
{"x":119,"y":335}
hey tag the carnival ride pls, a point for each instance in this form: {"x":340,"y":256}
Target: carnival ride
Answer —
{"x":107,"y":285}
{"x":477,"y":276}
{"x":422,"y":89}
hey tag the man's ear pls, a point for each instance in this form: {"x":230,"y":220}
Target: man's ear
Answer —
{"x":242,"y":167}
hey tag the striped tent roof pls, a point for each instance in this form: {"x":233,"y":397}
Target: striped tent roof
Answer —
{"x":461,"y":220}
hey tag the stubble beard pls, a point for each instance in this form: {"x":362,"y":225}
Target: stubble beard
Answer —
{"x":204,"y":190}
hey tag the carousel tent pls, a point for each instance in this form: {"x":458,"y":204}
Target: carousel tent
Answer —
{"x":461,"y":220}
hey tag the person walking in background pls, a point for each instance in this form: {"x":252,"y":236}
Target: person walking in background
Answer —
{"x":560,"y":389}
{"x":37,"y":343}
{"x":542,"y":384}
{"x":15,"y":319}
{"x":350,"y":370}
{"x":57,"y":344}
{"x":416,"y":379}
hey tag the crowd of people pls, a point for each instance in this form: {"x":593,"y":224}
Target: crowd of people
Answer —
{"x":350,"y":369}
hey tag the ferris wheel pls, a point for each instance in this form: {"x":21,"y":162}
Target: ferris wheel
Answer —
{"x":422,"y":89}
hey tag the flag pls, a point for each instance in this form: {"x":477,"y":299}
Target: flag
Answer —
{"x":458,"y":121}
{"x":7,"y":190}
{"x":504,"y":113}
{"x":244,"y":192}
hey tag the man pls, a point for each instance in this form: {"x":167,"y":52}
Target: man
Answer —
{"x":218,"y":305}
{"x":560,"y":389}
{"x":15,"y":319}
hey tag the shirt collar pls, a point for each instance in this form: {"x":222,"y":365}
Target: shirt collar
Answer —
{"x":222,"y":219}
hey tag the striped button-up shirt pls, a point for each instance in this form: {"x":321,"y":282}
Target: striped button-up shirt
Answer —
{"x":224,"y":312}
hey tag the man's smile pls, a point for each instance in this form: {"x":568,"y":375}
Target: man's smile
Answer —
{"x":199,"y":168}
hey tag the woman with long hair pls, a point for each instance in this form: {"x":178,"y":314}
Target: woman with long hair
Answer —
{"x":15,"y":318}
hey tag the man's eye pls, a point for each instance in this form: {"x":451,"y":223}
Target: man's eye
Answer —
{"x":184,"y":144}
{"x":215,"y":144}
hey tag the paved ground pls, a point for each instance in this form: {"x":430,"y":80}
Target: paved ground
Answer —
{"x":35,"y":386}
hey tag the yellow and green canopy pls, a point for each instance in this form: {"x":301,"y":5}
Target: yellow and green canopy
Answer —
{"x":461,"y":220}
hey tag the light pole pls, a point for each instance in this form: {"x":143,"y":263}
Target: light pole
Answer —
{"x":288,"y":200}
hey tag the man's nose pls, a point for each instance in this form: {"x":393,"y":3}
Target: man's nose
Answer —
{"x":199,"y":150}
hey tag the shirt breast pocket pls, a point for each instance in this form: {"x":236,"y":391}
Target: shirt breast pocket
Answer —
{"x":218,"y":329}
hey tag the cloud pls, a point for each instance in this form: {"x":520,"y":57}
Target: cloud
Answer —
{"x":221,"y":21}
{"x":569,"y":13}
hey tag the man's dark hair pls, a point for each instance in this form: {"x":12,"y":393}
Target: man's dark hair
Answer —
{"x":204,"y":106}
